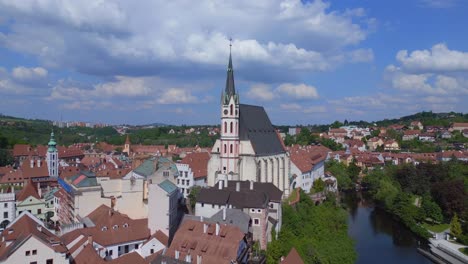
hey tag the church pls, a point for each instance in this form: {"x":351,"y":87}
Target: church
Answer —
{"x":249,"y":148}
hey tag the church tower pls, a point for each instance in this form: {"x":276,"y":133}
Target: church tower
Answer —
{"x":127,"y":146}
{"x":52,"y":157}
{"x":229,"y":152}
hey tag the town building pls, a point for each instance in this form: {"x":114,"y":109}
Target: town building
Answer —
{"x":27,"y":240}
{"x":192,"y":171}
{"x":307,"y":165}
{"x":7,"y":205}
{"x":249,"y":147}
{"x":163,"y":208}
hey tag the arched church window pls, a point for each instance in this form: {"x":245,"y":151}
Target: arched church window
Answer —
{"x":225,"y":127}
{"x":231,"y":110}
{"x":225,"y":148}
{"x":230,"y":148}
{"x":231,"y":127}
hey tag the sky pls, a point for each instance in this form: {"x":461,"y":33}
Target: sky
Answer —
{"x":306,"y":62}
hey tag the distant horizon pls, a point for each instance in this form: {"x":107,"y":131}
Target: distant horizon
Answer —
{"x":201,"y":124}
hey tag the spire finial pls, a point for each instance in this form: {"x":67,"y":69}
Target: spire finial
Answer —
{"x":230,"y":45}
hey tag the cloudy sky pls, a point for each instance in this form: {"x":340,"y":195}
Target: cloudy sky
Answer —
{"x":306,"y":62}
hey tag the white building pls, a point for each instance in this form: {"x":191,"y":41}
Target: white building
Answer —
{"x":7,"y":206}
{"x":163,"y":203}
{"x":249,"y":148}
{"x":52,"y":157}
{"x":307,"y":165}
{"x":192,"y":171}
{"x":26,"y":240}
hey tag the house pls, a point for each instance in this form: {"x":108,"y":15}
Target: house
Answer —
{"x":390,"y":145}
{"x":374,"y":143}
{"x":449,"y":155}
{"x":193,"y":170}
{"x":446,"y":135}
{"x":410,"y":134}
{"x":354,"y":144}
{"x":30,"y":200}
{"x":156,"y":243}
{"x":294,"y":131}
{"x":112,"y":233}
{"x":427,"y":137}
{"x":163,"y":204}
{"x":249,"y":147}
{"x":307,"y":165}
{"x":459,"y":126}
{"x":27,"y":240}
{"x":416,"y":125}
{"x":261,"y":201}
{"x":201,"y":242}
{"x":8,"y":210}
{"x":292,"y":258}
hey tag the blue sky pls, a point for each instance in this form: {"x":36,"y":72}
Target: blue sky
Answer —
{"x":306,"y":62}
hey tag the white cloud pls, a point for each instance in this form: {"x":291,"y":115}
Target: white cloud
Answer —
{"x":176,"y":96}
{"x":298,"y":91}
{"x":23,"y":73}
{"x":143,"y":38}
{"x":438,"y":59}
{"x":293,"y":107}
{"x":261,"y":92}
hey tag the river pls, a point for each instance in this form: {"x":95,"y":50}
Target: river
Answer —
{"x":379,"y":238}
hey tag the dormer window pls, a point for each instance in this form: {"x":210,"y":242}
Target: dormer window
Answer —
{"x":125,"y":225}
{"x":166,"y":173}
{"x":115,"y":227}
{"x":104,"y":228}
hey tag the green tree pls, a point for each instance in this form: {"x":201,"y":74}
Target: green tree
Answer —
{"x":455,"y":226}
{"x":193,"y":194}
{"x":432,"y":209}
{"x":353,"y":171}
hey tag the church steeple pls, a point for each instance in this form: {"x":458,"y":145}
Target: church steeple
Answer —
{"x":230,"y":88}
{"x":52,"y":157}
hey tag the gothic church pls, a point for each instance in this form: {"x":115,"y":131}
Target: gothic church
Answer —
{"x":249,"y":147}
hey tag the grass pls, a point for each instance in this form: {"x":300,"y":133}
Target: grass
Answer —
{"x":464,"y":250}
{"x":436,"y":228}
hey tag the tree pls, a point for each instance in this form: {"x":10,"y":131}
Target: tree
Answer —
{"x":194,"y":191}
{"x":455,"y":226}
{"x":431,"y":209}
{"x":353,"y":170}
{"x":5,"y":157}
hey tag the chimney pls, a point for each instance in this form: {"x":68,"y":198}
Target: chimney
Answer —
{"x":217,"y":229}
{"x":39,"y":227}
{"x":90,"y":240}
{"x":31,"y":162}
{"x":251,"y":185}
{"x":38,"y":163}
{"x":177,"y":254}
{"x":205,"y":227}
{"x":238,"y":186}
{"x":224,"y":213}
{"x":225,"y":183}
{"x":39,"y":190}
{"x":220,"y":184}
{"x":201,"y":218}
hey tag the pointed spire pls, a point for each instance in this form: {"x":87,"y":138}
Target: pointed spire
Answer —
{"x":230,"y":88}
{"x":52,"y":144}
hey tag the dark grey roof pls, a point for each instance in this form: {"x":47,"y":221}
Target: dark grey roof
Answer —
{"x":254,"y":125}
{"x":230,"y":88}
{"x":233,"y":217}
{"x":269,"y":188}
{"x":239,"y":200}
{"x":213,"y":196}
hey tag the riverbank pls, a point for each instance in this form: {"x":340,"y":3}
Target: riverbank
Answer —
{"x":378,"y":237}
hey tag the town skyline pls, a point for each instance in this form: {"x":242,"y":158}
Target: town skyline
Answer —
{"x":306,"y":62}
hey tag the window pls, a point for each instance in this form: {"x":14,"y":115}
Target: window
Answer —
{"x":231,"y":112}
{"x":178,"y":181}
{"x":230,"y":148}
{"x":39,"y":211}
{"x":202,"y":205}
{"x":50,"y":261}
{"x":225,"y":127}
{"x":28,"y":253}
{"x":259,"y":210}
{"x":152,"y":251}
{"x":5,"y":205}
{"x":34,"y":252}
{"x":186,"y":174}
{"x":110,"y":252}
{"x":34,"y":262}
{"x":5,"y":214}
{"x":225,"y":148}
{"x":166,"y":173}
{"x":126,"y":248}
{"x":230,"y":129}
{"x":188,"y":182}
{"x":212,"y":206}
{"x":136,"y":246}
{"x":256,"y":221}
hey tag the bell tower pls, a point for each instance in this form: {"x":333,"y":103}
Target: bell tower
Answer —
{"x":229,"y":149}
{"x":52,"y":157}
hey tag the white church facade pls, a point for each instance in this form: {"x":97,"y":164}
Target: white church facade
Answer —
{"x":249,"y":147}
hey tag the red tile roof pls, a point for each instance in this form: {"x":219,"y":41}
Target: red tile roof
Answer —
{"x":198,"y":163}
{"x":293,"y":258}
